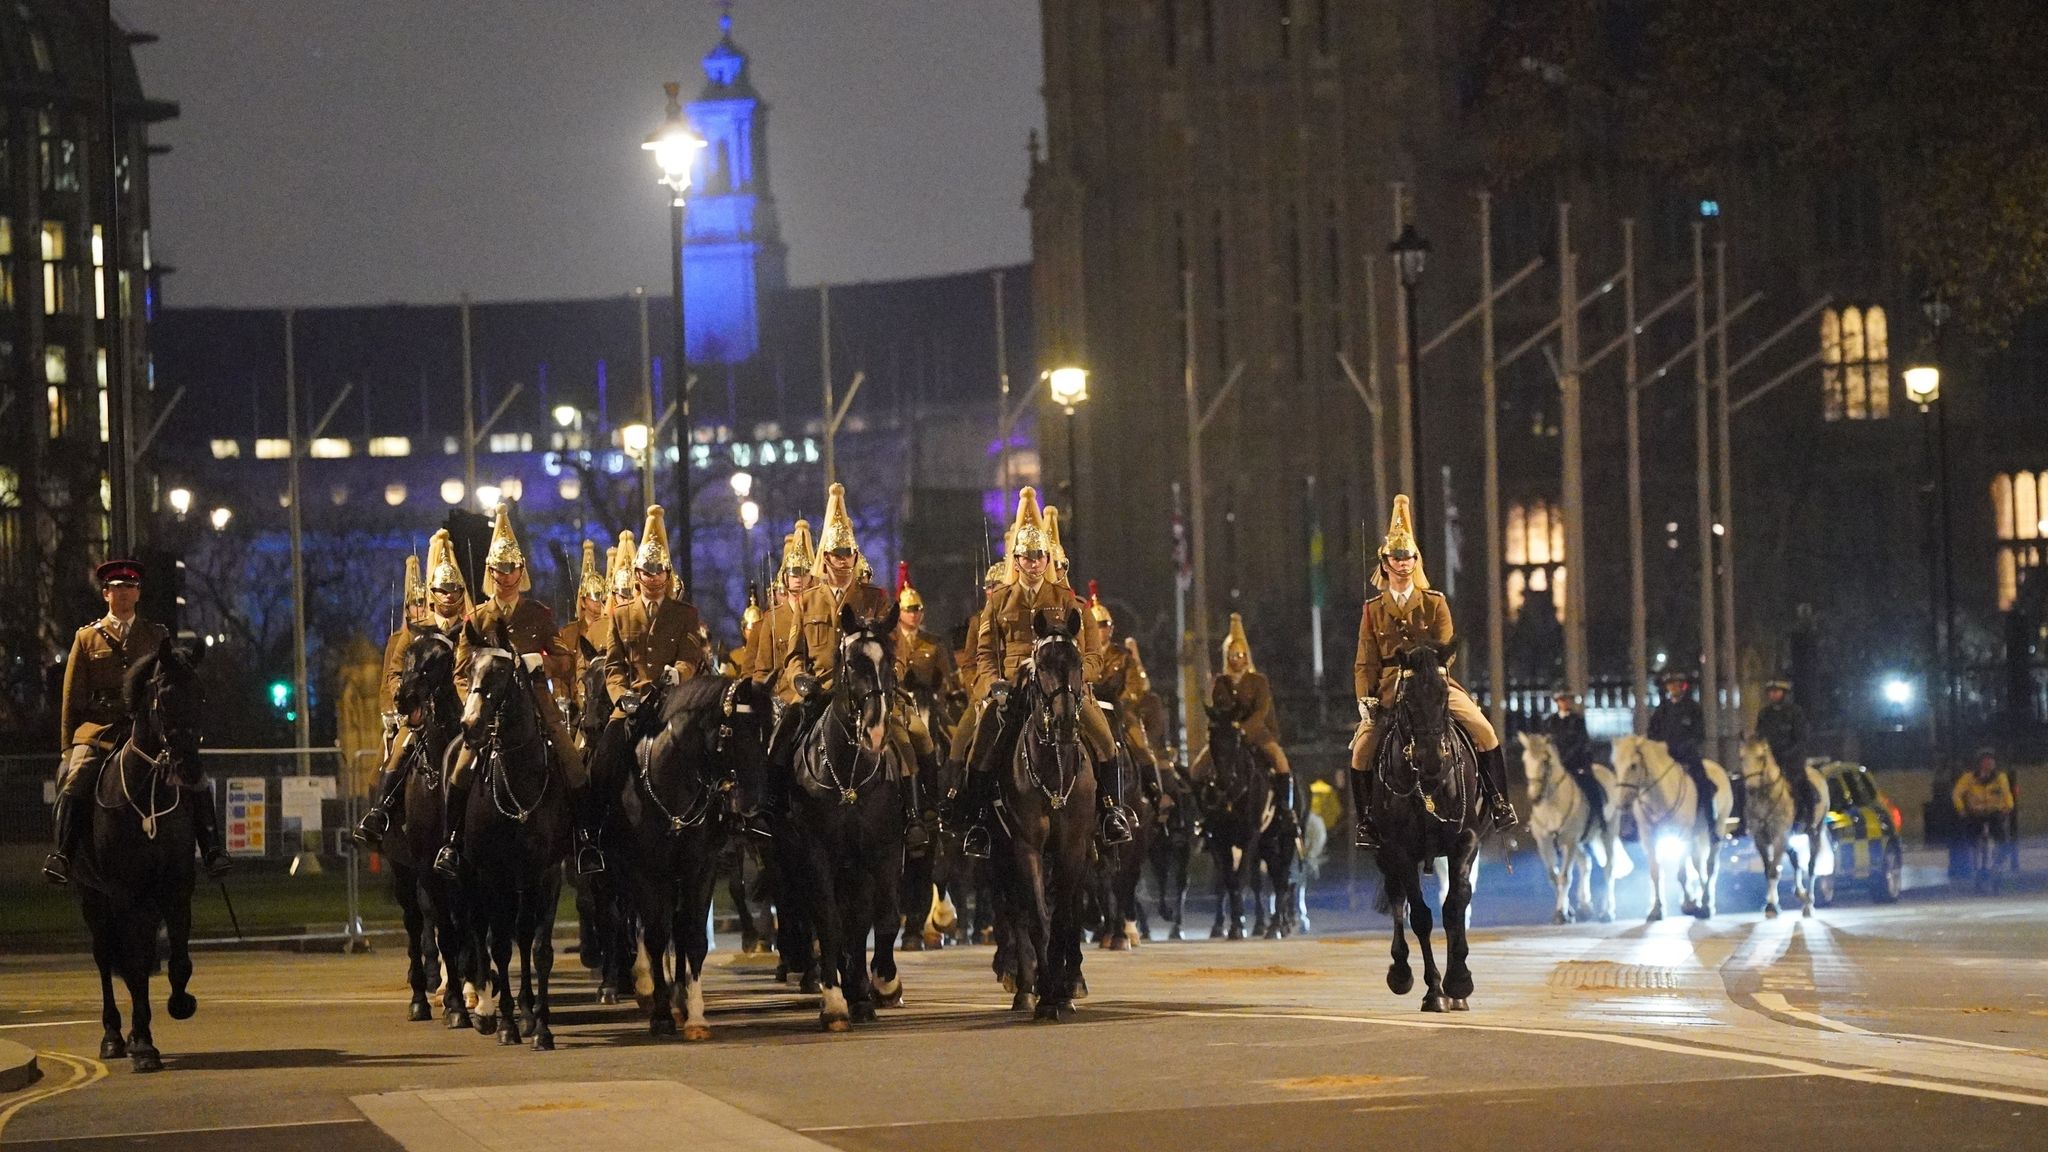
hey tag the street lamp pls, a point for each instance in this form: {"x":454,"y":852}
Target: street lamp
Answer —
{"x":743,"y":484}
{"x":1068,"y":386}
{"x":180,"y":500}
{"x":633,"y":438}
{"x":1411,"y":253}
{"x":1923,"y":387}
{"x":220,"y":518}
{"x":675,"y":149}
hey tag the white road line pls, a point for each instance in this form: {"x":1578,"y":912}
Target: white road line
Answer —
{"x":84,"y":1072}
{"x":1775,"y":1002}
{"x":199,"y":1131}
{"x":48,"y":1024}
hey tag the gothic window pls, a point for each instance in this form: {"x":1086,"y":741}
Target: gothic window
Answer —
{"x":55,"y":279}
{"x":58,"y":151}
{"x":2019,"y":519}
{"x":1855,"y":359}
{"x":1535,"y":556}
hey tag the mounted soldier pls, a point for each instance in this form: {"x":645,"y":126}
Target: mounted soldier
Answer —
{"x":656,"y":643}
{"x":1121,"y":687}
{"x":1781,"y":724}
{"x":738,"y":659}
{"x":528,"y":625}
{"x":1405,"y":612}
{"x":838,"y":583}
{"x":1003,"y":647}
{"x":442,"y":605}
{"x":1681,"y":725}
{"x":924,"y":669}
{"x":1249,"y":700}
{"x":593,"y":624}
{"x":769,"y":649}
{"x":94,"y":717}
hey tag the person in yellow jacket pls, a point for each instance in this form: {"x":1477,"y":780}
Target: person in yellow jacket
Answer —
{"x":1983,"y":796}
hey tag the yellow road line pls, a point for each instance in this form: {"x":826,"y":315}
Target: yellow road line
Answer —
{"x":85,"y":1071}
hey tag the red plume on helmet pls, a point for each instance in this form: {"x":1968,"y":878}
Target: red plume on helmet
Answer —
{"x":907,"y":599}
{"x":1094,"y":593}
{"x":902,"y":576}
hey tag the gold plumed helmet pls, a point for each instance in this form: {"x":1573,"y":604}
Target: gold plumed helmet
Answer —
{"x":1400,"y":541}
{"x":838,"y":530}
{"x":797,"y":553}
{"x":1057,"y":550}
{"x":652,"y":556}
{"x":907,"y":599}
{"x":996,"y":574}
{"x":1096,"y":608}
{"x":622,"y":564}
{"x":752,"y":615}
{"x":1026,"y":534}
{"x":443,"y":574}
{"x":1237,"y":639}
{"x":415,"y":591}
{"x":504,"y":552}
{"x":590,"y":582}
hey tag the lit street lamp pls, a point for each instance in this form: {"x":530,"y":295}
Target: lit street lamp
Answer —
{"x":1068,"y":386}
{"x":220,"y":518}
{"x":1923,"y":388}
{"x":180,"y":500}
{"x":1411,"y":253}
{"x":675,"y":149}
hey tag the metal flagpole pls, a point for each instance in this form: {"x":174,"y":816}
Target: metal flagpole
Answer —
{"x":1638,"y":608}
{"x":1731,"y":671}
{"x":1703,"y":504}
{"x":1489,"y":406}
{"x":1574,"y":501}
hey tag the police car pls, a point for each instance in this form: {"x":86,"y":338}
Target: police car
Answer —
{"x":1863,"y":845}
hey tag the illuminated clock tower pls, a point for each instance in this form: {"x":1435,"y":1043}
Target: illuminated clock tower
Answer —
{"x":733,"y":254}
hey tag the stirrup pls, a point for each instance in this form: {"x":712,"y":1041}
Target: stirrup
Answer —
{"x":57,"y":869}
{"x":1365,"y":837}
{"x":976,"y":843}
{"x":371,"y":832}
{"x":589,"y":860}
{"x":1116,"y":825}
{"x":448,"y":862}
{"x":1504,"y":813}
{"x":216,"y":862}
{"x":915,"y":838}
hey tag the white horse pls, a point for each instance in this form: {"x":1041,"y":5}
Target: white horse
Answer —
{"x":1661,"y":794}
{"x":1771,"y":809}
{"x":1572,"y":834}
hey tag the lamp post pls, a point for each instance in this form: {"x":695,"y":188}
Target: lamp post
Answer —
{"x":1068,"y":386}
{"x":675,"y":149}
{"x":1411,"y":253}
{"x":1923,"y":387}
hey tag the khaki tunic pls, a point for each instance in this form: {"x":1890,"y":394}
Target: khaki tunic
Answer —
{"x":646,"y":644}
{"x":530,"y":626}
{"x":924,"y":666}
{"x":93,"y":678}
{"x":394,"y":666}
{"x":769,"y":650}
{"x":814,"y":636}
{"x":571,"y":638}
{"x":1005,"y":639}
{"x":1385,"y":633}
{"x":1255,"y":709}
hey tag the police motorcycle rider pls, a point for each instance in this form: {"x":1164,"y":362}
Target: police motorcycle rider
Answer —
{"x":443,"y":604}
{"x":1404,"y":612}
{"x":529,"y":626}
{"x":93,"y":718}
{"x":1034,"y":581}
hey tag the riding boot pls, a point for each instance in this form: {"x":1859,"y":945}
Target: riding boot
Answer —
{"x":448,"y":861}
{"x":206,"y":833}
{"x":1283,"y":801}
{"x":376,"y":823}
{"x":1364,"y":835}
{"x":970,"y":805}
{"x":57,"y":865}
{"x":1493,"y":773}
{"x":915,"y":838}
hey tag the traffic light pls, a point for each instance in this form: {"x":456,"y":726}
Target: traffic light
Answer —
{"x":281,"y":699}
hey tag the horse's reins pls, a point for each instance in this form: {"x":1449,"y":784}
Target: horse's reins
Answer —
{"x":1408,"y":754}
{"x":156,"y":764}
{"x":503,"y":798}
{"x":698,"y":809}
{"x":1057,"y":800}
{"x":1654,"y":784}
{"x":849,"y":789}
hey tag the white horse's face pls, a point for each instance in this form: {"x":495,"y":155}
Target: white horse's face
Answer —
{"x":1537,"y":754}
{"x":1628,"y":758}
{"x":1757,"y":762}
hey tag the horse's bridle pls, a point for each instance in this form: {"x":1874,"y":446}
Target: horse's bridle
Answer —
{"x":852,"y":708}
{"x":697,"y":808}
{"x":492,"y":749}
{"x":1407,"y":753}
{"x":1046,"y":737}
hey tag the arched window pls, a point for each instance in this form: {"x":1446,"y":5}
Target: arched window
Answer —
{"x":1535,"y":555}
{"x":2019,"y":519}
{"x":1855,"y":357}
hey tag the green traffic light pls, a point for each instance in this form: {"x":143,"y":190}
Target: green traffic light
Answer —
{"x":280,"y":693}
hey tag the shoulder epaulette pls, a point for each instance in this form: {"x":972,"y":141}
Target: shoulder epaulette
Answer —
{"x":1376,"y":594}
{"x":1432,"y":592}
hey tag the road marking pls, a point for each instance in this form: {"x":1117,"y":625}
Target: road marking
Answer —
{"x":84,"y":1072}
{"x":46,"y":1024}
{"x":1775,"y":1002}
{"x":199,"y":1131}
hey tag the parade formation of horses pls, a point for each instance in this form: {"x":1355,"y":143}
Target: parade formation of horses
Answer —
{"x":135,"y":877}
{"x":1666,"y":804}
{"x":1046,"y":807}
{"x":849,"y":828}
{"x":1772,"y":812}
{"x":699,"y":772}
{"x":431,"y":714}
{"x":1244,"y":832}
{"x":608,"y":933}
{"x":515,"y":835}
{"x":1575,"y":829}
{"x":1427,"y":803}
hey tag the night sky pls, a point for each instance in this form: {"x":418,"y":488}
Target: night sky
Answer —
{"x":365,"y":151}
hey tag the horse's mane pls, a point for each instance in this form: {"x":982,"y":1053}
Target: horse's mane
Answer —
{"x":692,"y":695}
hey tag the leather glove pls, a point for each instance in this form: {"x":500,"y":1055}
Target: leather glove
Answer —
{"x":999,"y":692}
{"x":1367,"y":708}
{"x":629,"y":704}
{"x":670,"y":677}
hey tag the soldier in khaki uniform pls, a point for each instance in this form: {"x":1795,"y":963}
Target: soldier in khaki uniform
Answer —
{"x":655,"y":643}
{"x":1113,"y":688}
{"x":93,"y":717}
{"x":770,"y":647}
{"x":1406,"y":612}
{"x":443,"y":603}
{"x":593,"y":624}
{"x":924,"y":668}
{"x":1246,"y":695}
{"x":736,"y":661}
{"x":529,"y":628}
{"x":1003,"y":647}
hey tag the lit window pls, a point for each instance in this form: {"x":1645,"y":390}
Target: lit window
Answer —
{"x":6,"y":262}
{"x":1855,"y":357}
{"x":105,"y":431}
{"x":273,"y":448}
{"x":10,"y":488}
{"x":2019,"y":517}
{"x":449,"y":446}
{"x":100,"y":368}
{"x":227,"y":449}
{"x":55,"y":365}
{"x":390,"y":446}
{"x":511,"y":442}
{"x":60,"y":416}
{"x":53,"y":267}
{"x":570,"y":488}
{"x":451,"y":491}
{"x":99,"y":275}
{"x":328,"y":448}
{"x":394,"y":494}
{"x":1534,"y":551}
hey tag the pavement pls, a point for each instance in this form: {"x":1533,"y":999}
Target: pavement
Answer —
{"x":1909,"y":1025}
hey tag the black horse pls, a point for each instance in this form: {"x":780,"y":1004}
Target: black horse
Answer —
{"x":137,"y":876}
{"x":1046,"y":807}
{"x":849,"y":828}
{"x":514,"y":835}
{"x":431,"y":714}
{"x":1244,"y":831}
{"x":1426,"y":802}
{"x":608,"y":934}
{"x":698,"y":774}
{"x":1118,"y":867}
{"x":1176,"y":823}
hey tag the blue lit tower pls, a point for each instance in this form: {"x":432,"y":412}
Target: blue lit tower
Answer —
{"x":732,"y":247}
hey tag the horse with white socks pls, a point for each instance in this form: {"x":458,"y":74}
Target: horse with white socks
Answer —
{"x":1771,"y":809}
{"x":1572,"y":833}
{"x":1666,"y":804}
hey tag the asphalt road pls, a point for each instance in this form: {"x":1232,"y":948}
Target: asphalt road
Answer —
{"x":1916,"y":1025}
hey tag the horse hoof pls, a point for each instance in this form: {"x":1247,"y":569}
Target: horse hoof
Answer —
{"x":1216,"y":933}
{"x":835,"y":1023}
{"x":1175,"y":934}
{"x":1560,"y":918}
{"x":1703,"y":913}
{"x":182,"y":1005}
{"x":1460,"y":1005}
{"x":810,"y":985}
{"x":1607,"y":917}
{"x":911,"y":944}
{"x":1048,"y":1012}
{"x":544,"y":1042}
{"x":509,"y":1038}
{"x":113,"y":1048}
{"x":1655,"y":915}
{"x":607,"y":996}
{"x":1080,"y":989}
{"x":1009,"y":982}
{"x":487,"y":1025}
{"x":1400,"y":979}
{"x":460,"y":1021}
{"x":1770,"y":912}
{"x":696,"y":1033}
{"x":1806,"y":913}
{"x":863,"y":1013}
{"x":890,"y":999}
{"x":1432,"y":1003}
{"x":1273,"y":933}
{"x":418,"y":1012}
{"x":662,"y":1026}
{"x":1236,"y":932}
{"x":145,"y":1059}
